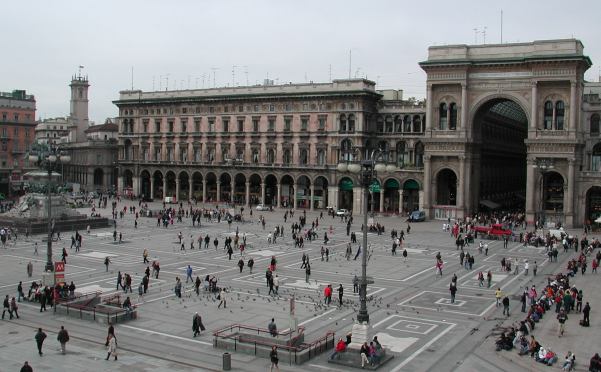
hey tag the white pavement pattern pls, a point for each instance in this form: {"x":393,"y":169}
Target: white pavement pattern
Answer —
{"x":409,"y":305}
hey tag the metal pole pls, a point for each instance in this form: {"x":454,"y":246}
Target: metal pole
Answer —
{"x":49,"y":264}
{"x":363,"y":316}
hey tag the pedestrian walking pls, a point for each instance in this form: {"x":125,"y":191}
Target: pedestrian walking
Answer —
{"x":189,"y":274}
{"x":197,"y":325}
{"x":111,"y":332}
{"x":526,"y":267}
{"x":273,"y":356}
{"x":39,"y":337}
{"x":498,"y":296}
{"x":250,"y":264}
{"x":562,"y":317}
{"x":26,"y":367}
{"x":340,"y":294}
{"x":534,"y":268}
{"x":29,"y":269}
{"x":405,"y":255}
{"x":107,"y":261}
{"x":355,"y":284}
{"x":14,"y":307}
{"x":307,"y":273}
{"x":506,"y":306}
{"x":112,"y":350}
{"x":35,"y":249}
{"x":586,"y":311}
{"x":63,"y":338}
{"x":145,"y":256}
{"x":453,"y":290}
{"x":222,"y":299}
{"x":6,"y":307}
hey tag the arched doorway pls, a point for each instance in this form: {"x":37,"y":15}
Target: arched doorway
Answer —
{"x":157,"y":179}
{"x":128,"y":179}
{"x":500,"y":128}
{"x":170,"y":191}
{"x":593,"y":204}
{"x":225,"y":185}
{"x":271,"y":190}
{"x":446,"y":195}
{"x":211,"y":187}
{"x":98,"y":177}
{"x":145,"y":185}
{"x":287,"y":191}
{"x":410,"y":196}
{"x":184,"y":186}
{"x":303,"y":192}
{"x":320,"y":192}
{"x":197,"y":186}
{"x":345,"y":193}
{"x":552,"y":200}
{"x":391,"y":195}
{"x":255,"y":189}
{"x":240,"y":189}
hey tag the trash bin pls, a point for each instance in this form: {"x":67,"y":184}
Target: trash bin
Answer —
{"x":227,"y":361}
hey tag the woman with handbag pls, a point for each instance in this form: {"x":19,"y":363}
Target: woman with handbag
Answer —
{"x":273,"y":356}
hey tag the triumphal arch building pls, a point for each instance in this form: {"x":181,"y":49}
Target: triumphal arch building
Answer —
{"x":505,"y":128}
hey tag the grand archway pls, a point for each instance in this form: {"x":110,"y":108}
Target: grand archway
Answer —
{"x":410,"y":196}
{"x":240,"y":189}
{"x":211,"y":187}
{"x":145,"y":182}
{"x":287,"y":191}
{"x":98,"y":177}
{"x":499,"y":182}
{"x":184,"y":186}
{"x":320,"y":193}
{"x":593,"y":204}
{"x":271,"y":190}
{"x":157,"y":180}
{"x":197,"y":186}
{"x":345,"y":193}
{"x":303,"y":192}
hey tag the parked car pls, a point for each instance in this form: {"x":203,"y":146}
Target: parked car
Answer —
{"x":417,"y":216}
{"x":262,"y":207}
{"x":342,"y":212}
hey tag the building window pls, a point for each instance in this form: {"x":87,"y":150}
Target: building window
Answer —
{"x":171,"y":127}
{"x":211,"y":109}
{"x":548,"y":116}
{"x":256,"y":108}
{"x":559,"y":115}
{"x":16,"y":118}
{"x":322,"y":122}
{"x":453,"y":116}
{"x":400,"y":154}
{"x":304,"y":157}
{"x":197,"y":126}
{"x":145,"y":126}
{"x":197,"y":155}
{"x":211,"y":125}
{"x":184,"y":110}
{"x":226,"y":108}
{"x":211,"y":155}
{"x":442,"y":114}
{"x":287,"y":158}
{"x":184,"y":126}
{"x":16,"y":132}
{"x":351,"y":123}
{"x":240,"y":108}
{"x":4,"y":132}
{"x":255,"y":156}
{"x":271,"y":125}
{"x":27,"y":132}
{"x":169,"y":154}
{"x":226,"y":125}
{"x":241,"y":125}
{"x":157,"y":126}
{"x":388,"y":124}
{"x":272,"y":108}
{"x":287,"y":124}
{"x":380,"y":124}
{"x":270,"y":156}
{"x":255,"y":125}
{"x":596,"y":158}
{"x":595,"y":125}
{"x":304,"y":124}
{"x":345,"y":150}
{"x":343,"y":123}
{"x":183,"y":153}
{"x":157,"y":153}
{"x":321,"y":157}
{"x":417,"y":124}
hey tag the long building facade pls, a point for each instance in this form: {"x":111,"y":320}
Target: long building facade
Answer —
{"x":511,"y":126}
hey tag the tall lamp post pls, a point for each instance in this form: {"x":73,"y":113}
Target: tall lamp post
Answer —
{"x":367,"y":170}
{"x":48,"y":158}
{"x":544,"y":166}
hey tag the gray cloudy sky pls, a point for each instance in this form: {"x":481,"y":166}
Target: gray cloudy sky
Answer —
{"x":292,"y":41}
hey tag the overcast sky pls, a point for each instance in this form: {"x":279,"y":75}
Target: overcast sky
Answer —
{"x":44,"y":42}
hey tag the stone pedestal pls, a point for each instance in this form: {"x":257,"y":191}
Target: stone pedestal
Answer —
{"x":360,"y":335}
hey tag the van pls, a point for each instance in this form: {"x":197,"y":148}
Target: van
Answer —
{"x":417,"y":216}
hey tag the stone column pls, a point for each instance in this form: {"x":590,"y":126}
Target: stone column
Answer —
{"x":151,"y":188}
{"x":312,"y":195}
{"x":232,"y":188}
{"x":429,"y":108}
{"x":164,"y":187}
{"x":530,"y":191}
{"x":463,"y":121}
{"x":218,"y":197}
{"x":120,"y":184}
{"x":420,"y":202}
{"x":400,"y":201}
{"x":204,"y":190}
{"x":332,"y":197}
{"x":247,"y":199}
{"x":294,"y":198}
{"x":263,"y":193}
{"x":569,"y":196}
{"x":136,"y":185}
{"x":461,"y":184}
{"x":381,"y":200}
{"x":427,"y":185}
{"x":534,"y":106}
{"x":177,"y":189}
{"x":279,"y":201}
{"x":573,"y":107}
{"x":190,"y":189}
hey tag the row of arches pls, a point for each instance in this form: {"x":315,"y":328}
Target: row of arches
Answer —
{"x":401,"y":154}
{"x":399,"y":124}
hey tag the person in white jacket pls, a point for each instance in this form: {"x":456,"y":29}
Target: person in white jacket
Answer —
{"x":112,"y":347}
{"x":276,"y":283}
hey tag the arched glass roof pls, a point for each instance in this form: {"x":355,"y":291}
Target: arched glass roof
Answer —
{"x":510,"y":110}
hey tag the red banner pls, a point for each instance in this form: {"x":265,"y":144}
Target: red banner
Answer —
{"x":59,"y":272}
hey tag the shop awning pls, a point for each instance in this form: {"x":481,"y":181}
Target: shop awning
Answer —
{"x":392,"y":184}
{"x":410,"y":185}
{"x":346,"y":185}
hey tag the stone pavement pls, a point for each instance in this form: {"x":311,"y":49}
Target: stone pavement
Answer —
{"x":409,"y":305}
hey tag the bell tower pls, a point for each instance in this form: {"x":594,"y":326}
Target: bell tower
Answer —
{"x":79,"y":105}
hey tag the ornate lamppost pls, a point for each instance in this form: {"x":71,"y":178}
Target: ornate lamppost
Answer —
{"x":48,"y":158}
{"x":367,"y":170}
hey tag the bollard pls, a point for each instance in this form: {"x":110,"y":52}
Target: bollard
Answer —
{"x":227,"y":361}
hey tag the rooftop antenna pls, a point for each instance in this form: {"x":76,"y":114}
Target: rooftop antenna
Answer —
{"x":350,"y":60}
{"x":305,"y":77}
{"x":167,"y":82}
{"x":476,"y":35}
{"x":330,"y":71}
{"x":246,"y":74}
{"x":501,"y":26}
{"x":160,"y":82}
{"x":153,"y":83}
{"x":79,"y":71}
{"x":203,"y":80}
{"x":214,"y":69}
{"x":357,"y":71}
{"x":196,"y":85}
{"x":188,"y":81}
{"x":234,"y":75}
{"x":132,"y":77}
{"x":484,"y":35}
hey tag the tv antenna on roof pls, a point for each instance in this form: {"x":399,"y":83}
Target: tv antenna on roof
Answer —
{"x":214,"y":69}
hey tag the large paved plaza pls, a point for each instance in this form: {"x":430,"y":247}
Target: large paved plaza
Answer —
{"x":410,"y":308}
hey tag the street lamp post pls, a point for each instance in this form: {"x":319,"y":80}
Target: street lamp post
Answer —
{"x":544,"y":166}
{"x":367,"y":170}
{"x":48,"y":158}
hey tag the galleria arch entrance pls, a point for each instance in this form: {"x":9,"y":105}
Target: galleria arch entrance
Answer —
{"x":500,"y":128}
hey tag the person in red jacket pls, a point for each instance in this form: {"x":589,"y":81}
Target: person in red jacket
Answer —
{"x":327,"y":293}
{"x":340,"y":348}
